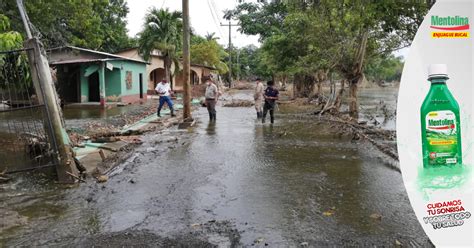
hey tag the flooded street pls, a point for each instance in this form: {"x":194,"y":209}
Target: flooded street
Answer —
{"x":235,"y":183}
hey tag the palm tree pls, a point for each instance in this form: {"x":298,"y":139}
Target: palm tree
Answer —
{"x":211,"y":36}
{"x":162,"y":31}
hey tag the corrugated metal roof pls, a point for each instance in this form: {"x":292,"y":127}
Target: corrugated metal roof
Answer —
{"x":114,"y":56}
{"x":79,"y":61}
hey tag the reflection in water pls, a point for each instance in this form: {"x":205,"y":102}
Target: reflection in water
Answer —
{"x":319,"y":177}
{"x":211,"y":128}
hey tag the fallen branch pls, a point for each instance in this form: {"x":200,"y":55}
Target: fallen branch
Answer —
{"x":368,"y":129}
{"x":76,"y":177}
{"x":4,"y":179}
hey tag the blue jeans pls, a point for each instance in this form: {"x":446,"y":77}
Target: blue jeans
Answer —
{"x":168,"y":101}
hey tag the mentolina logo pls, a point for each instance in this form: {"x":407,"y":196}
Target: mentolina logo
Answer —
{"x":449,"y":27}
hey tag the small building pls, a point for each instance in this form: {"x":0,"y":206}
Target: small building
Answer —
{"x":156,"y":70}
{"x":88,"y":76}
{"x":198,"y":74}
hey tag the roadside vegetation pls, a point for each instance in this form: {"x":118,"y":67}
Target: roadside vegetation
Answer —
{"x":310,"y":42}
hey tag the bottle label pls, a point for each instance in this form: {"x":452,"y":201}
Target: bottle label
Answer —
{"x":441,"y":136}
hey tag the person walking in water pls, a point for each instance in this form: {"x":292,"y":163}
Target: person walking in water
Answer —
{"x":270,"y":95}
{"x":258,"y":97}
{"x":163,"y":89}
{"x":211,"y":95}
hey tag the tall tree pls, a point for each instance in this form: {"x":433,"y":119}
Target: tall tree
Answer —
{"x":211,"y":36}
{"x":162,"y":31}
{"x":93,"y":24}
{"x":208,"y":52}
{"x":113,"y":26}
{"x":310,"y":38}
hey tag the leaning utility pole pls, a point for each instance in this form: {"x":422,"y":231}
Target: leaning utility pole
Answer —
{"x":186,"y":63}
{"x":44,"y":88}
{"x":230,"y":25}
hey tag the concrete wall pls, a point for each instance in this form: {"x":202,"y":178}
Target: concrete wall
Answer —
{"x":116,"y":82}
{"x":155,"y":62}
{"x":158,"y":62}
{"x":113,"y":81}
{"x":132,"y":94}
{"x":200,"y":72}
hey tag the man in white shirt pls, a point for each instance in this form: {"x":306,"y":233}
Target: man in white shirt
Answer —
{"x":163,"y":89}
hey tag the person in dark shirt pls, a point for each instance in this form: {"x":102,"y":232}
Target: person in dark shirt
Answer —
{"x":270,"y":95}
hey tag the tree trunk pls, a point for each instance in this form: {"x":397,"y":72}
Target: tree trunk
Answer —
{"x":338,"y":102}
{"x":167,"y":64}
{"x":319,"y":85}
{"x":353,"y":101}
{"x":304,"y":85}
{"x":330,"y":103}
{"x":320,"y":76}
{"x":356,"y":76}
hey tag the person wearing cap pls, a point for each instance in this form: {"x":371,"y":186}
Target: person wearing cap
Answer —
{"x":270,"y":95}
{"x":211,"y":96}
{"x":163,"y":89}
{"x":258,"y":97}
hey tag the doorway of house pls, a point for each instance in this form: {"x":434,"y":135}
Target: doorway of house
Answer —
{"x":69,"y":85}
{"x":140,"y":78}
{"x":94,"y":89}
{"x":156,"y":76}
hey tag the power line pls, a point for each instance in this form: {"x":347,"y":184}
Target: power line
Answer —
{"x":216,"y":21}
{"x":216,"y":10}
{"x":230,"y":25}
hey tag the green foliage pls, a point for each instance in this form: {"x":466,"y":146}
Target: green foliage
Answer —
{"x":386,"y":69}
{"x":9,"y":40}
{"x":162,"y":30}
{"x":113,"y":26}
{"x":208,"y":52}
{"x":302,"y":37}
{"x":247,"y":63}
{"x":263,"y":19}
{"x":196,"y":39}
{"x":93,"y":24}
{"x":14,"y":70}
{"x":211,"y":36}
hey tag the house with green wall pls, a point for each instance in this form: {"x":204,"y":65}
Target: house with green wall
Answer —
{"x":88,"y":76}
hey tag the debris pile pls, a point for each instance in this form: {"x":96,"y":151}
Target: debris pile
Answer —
{"x":239,"y":103}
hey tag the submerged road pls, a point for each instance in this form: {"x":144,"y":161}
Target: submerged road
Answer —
{"x":231,"y":183}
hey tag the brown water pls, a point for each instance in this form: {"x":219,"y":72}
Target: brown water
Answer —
{"x":233,"y":183}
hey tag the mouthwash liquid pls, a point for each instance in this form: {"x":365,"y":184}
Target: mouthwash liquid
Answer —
{"x":440,"y":122}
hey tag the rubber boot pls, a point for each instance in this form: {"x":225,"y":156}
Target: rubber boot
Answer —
{"x":214,"y":116}
{"x":259,"y":115}
{"x":272,"y":120}
{"x":158,"y":114}
{"x":172,"y":112}
{"x":210,"y":116}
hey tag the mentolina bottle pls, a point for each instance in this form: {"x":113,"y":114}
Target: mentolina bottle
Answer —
{"x":440,"y":122}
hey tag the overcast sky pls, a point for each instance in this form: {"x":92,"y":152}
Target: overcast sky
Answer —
{"x":202,"y":20}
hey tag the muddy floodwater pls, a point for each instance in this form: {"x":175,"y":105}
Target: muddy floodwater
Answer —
{"x":231,"y":183}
